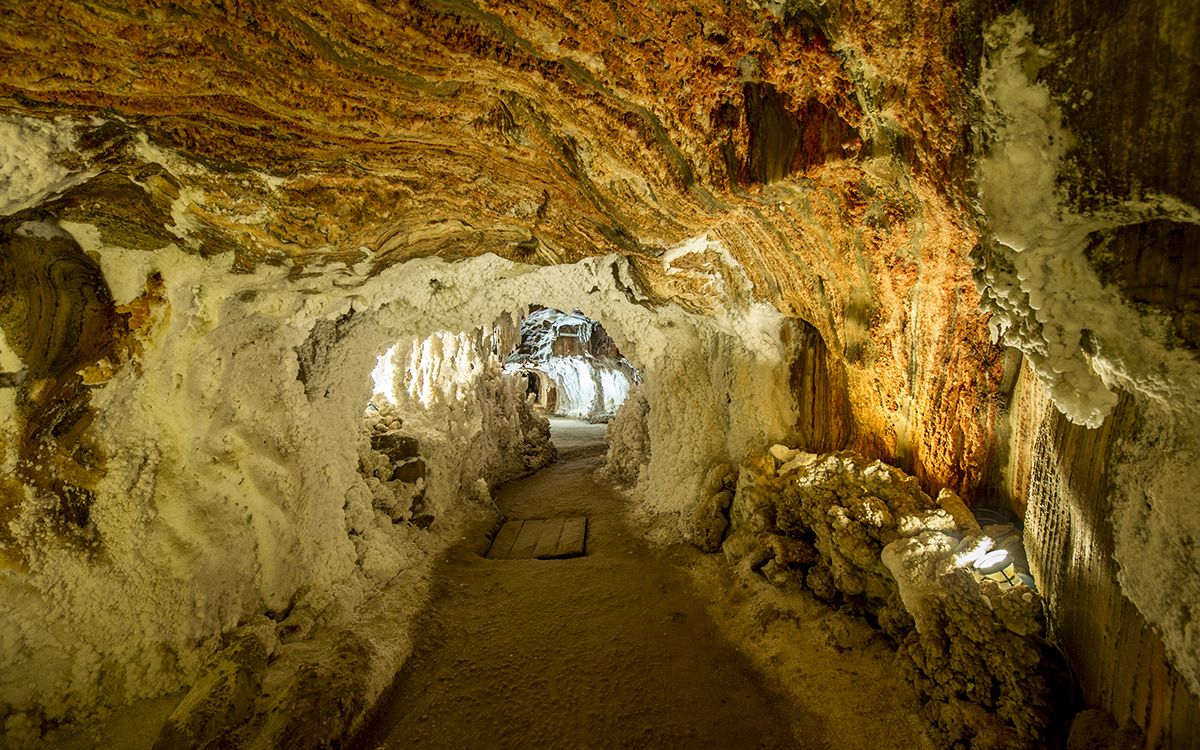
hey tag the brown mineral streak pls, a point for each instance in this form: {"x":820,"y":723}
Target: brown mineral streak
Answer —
{"x":56,"y":311}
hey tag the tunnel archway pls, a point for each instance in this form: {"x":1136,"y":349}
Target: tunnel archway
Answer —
{"x":539,"y":388}
{"x":575,"y":368}
{"x":300,"y":514}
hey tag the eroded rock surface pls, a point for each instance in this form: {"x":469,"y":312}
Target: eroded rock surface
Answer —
{"x":864,"y":536}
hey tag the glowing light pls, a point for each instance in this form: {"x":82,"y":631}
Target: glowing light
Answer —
{"x":384,"y":376}
{"x":997,"y":566}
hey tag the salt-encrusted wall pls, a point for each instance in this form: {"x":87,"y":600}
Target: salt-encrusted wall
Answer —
{"x":590,"y":377}
{"x":218,"y":500}
{"x":1068,"y":476}
{"x":1090,"y":194}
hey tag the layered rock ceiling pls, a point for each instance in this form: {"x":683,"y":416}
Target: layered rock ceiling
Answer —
{"x":826,"y":151}
{"x":976,"y":219}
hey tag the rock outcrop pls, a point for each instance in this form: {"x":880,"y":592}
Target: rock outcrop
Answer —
{"x":864,"y":536}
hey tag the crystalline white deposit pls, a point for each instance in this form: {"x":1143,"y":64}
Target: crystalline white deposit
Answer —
{"x":1078,"y":334}
{"x":1083,"y":340}
{"x":232,"y":487}
{"x":30,"y":167}
{"x":587,"y":386}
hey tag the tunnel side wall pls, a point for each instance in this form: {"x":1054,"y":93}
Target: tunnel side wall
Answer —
{"x":1070,"y":478}
{"x":1099,"y":436}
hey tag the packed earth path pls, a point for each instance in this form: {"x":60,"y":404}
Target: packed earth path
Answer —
{"x":611,"y":650}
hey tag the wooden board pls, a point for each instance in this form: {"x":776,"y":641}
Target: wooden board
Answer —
{"x":546,"y":546}
{"x":573,"y":540}
{"x":540,"y":538}
{"x":527,"y":540}
{"x":502,"y":544}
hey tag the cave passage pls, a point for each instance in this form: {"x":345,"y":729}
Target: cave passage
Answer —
{"x":615,"y":649}
{"x":571,"y":366}
{"x":900,"y":367}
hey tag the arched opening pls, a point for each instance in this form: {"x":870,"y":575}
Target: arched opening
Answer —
{"x":540,"y":389}
{"x":572,"y":365}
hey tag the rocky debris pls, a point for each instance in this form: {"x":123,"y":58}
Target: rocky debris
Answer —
{"x":1093,"y":729}
{"x":976,"y":652}
{"x":863,"y":536}
{"x":708,"y":519}
{"x":391,"y":463}
{"x":225,"y":694}
{"x":423,"y":521}
{"x":410,"y":471}
{"x":742,"y":549}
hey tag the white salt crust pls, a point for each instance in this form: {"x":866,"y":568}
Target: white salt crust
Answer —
{"x":1052,"y":305}
{"x":30,"y":160}
{"x":229,"y":492}
{"x":587,"y":387}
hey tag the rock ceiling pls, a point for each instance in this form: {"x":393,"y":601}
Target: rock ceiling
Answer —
{"x":534,"y":132}
{"x":825,"y":148}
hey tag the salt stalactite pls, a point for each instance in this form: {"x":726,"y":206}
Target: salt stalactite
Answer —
{"x":1045,"y":297}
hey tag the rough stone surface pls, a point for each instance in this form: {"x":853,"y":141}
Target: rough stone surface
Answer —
{"x":1092,"y":729}
{"x":708,"y":519}
{"x":804,"y":140}
{"x":222,"y":700}
{"x":864,"y":536}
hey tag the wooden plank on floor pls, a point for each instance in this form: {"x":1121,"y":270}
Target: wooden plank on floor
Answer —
{"x":503,"y":543}
{"x":527,"y":540}
{"x":573,"y":540}
{"x":548,"y":544}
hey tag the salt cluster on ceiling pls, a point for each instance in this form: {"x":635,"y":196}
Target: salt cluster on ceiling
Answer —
{"x":910,"y":231}
{"x":571,"y":365}
{"x":1084,"y":341}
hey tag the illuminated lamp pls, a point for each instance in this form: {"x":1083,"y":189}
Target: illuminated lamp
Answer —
{"x":997,"y":566}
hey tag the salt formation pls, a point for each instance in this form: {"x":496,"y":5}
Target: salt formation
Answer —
{"x":1083,"y":339}
{"x":588,"y":377}
{"x":705,"y":525}
{"x":200,"y":267}
{"x":447,"y":391}
{"x":232,"y":504}
{"x":863,"y":536}
{"x":30,"y":166}
{"x":628,"y":442}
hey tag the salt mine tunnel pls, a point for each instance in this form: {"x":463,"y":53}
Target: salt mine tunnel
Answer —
{"x":472,"y":373}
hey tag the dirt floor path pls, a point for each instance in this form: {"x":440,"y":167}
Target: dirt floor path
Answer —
{"x":611,"y":650}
